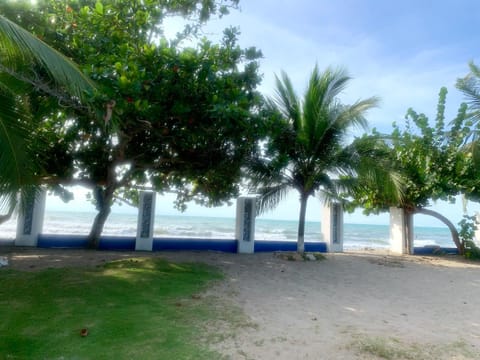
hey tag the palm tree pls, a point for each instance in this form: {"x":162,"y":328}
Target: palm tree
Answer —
{"x":470,"y":87}
{"x":308,"y":147}
{"x":22,"y":57}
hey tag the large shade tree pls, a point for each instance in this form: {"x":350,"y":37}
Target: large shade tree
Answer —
{"x":310,"y":147}
{"x":167,"y":117}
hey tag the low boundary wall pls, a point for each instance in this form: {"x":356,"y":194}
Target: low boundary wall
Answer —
{"x":159,"y":244}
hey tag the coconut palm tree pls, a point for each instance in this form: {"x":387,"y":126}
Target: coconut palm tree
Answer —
{"x":22,"y":57}
{"x":308,"y":148}
{"x":470,"y":87}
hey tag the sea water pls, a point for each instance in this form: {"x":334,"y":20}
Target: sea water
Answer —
{"x":356,"y":236}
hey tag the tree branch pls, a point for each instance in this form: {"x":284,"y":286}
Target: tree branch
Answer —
{"x":451,"y":227}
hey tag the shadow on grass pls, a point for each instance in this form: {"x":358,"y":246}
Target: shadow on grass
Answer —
{"x":136,"y":308}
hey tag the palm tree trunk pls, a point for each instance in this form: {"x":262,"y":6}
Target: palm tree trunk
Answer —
{"x":301,"y":224}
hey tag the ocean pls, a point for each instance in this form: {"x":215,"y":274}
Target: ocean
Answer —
{"x":356,"y":236}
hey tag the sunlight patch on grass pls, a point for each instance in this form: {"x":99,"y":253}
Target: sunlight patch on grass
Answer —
{"x":130,"y":308}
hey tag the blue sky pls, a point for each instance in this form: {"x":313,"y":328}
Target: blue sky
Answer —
{"x":400,"y":51}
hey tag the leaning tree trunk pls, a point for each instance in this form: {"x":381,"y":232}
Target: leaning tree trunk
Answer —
{"x":301,"y":224}
{"x":104,"y":200}
{"x":451,"y":227}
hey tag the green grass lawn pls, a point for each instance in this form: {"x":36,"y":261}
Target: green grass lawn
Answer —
{"x":133,"y":309}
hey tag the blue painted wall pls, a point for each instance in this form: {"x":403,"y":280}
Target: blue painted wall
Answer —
{"x":159,"y":244}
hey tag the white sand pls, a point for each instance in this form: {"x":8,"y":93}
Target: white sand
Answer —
{"x":397,"y":306}
{"x":349,"y":306}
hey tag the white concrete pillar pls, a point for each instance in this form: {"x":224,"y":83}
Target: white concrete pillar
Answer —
{"x":146,"y":219}
{"x":30,"y":221}
{"x":245,"y":224}
{"x":401,"y":231}
{"x":332,"y":226}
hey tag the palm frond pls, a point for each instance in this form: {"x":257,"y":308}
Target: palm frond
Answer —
{"x":8,"y":204}
{"x":325,"y":119}
{"x":13,"y":134}
{"x":269,"y":197}
{"x":328,"y":188}
{"x":471,"y":89}
{"x":262,"y":172}
{"x":331,"y":83}
{"x":369,"y":167}
{"x":16,"y":164}
{"x":18,"y":45}
{"x":354,"y":115}
{"x":286,"y":100}
{"x":320,"y":98}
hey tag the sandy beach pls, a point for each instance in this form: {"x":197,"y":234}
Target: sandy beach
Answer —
{"x":358,"y":305}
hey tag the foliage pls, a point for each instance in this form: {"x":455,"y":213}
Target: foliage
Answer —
{"x":26,"y":57}
{"x":470,"y":86}
{"x":15,"y":140}
{"x":307,"y":144}
{"x":468,"y":225}
{"x":472,"y":251}
{"x":26,"y":64}
{"x":376,"y":180}
{"x":145,"y":308}
{"x":428,"y":157}
{"x":432,"y":161}
{"x":169,"y":117}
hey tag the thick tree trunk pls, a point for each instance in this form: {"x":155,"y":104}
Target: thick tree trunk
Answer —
{"x":104,"y":205}
{"x":301,"y":224}
{"x":97,"y":227}
{"x":447,"y":222}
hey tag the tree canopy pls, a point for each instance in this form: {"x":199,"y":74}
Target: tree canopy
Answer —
{"x":430,"y":158}
{"x":92,"y":93}
{"x":167,"y":117}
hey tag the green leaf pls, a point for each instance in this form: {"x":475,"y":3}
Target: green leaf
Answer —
{"x":84,"y":11}
{"x":17,"y":43}
{"x":99,"y":8}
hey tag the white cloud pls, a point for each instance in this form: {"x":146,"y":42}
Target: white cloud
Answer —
{"x":391,"y":53}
